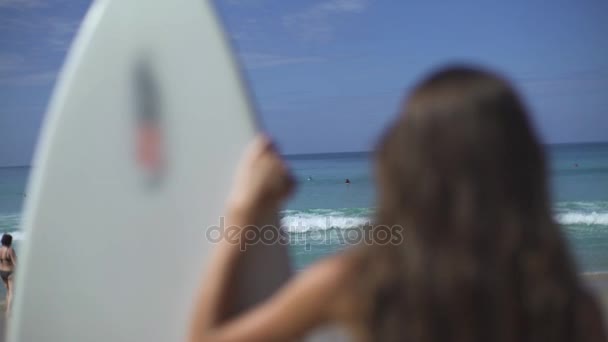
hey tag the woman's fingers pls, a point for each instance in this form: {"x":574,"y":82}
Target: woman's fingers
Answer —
{"x":263,"y":178}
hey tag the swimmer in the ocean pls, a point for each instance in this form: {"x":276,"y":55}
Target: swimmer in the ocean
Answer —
{"x":347,"y":181}
{"x":309,"y":178}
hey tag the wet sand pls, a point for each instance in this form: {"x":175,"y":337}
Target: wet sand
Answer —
{"x":2,"y":325}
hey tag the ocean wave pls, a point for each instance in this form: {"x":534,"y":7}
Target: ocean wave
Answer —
{"x":566,"y":213}
{"x":582,"y":218}
{"x":324,"y":219}
{"x":579,"y":205}
{"x":17,"y":235}
{"x":9,"y":222}
{"x":300,"y":221}
{"x":582,"y":213}
{"x":303,"y":222}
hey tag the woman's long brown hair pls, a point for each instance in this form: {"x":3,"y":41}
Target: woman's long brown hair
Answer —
{"x":462,"y":171}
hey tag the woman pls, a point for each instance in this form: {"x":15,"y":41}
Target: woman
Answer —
{"x":8,"y":260}
{"x":482,"y":259}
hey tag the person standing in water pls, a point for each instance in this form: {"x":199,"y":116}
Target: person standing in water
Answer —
{"x":8,"y":261}
{"x":479,"y":256}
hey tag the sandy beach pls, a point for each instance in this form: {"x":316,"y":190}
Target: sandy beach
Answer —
{"x":597,"y":282}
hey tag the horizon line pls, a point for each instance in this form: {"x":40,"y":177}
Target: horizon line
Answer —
{"x":363,"y":151}
{"x":369,"y":151}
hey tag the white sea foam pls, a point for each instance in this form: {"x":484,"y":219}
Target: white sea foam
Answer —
{"x":583,"y":218}
{"x":17,"y":235}
{"x":298,"y":223}
{"x":302,"y":222}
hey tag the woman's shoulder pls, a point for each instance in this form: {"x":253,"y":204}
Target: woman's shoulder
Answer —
{"x":337,"y":276}
{"x":332,"y":271}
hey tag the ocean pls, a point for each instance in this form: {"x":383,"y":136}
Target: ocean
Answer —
{"x":325,"y":214}
{"x":324,"y":208}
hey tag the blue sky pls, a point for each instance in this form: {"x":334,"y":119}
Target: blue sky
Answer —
{"x":328,"y":74}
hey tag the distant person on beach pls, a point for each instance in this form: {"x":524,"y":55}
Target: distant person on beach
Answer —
{"x":473,"y":251}
{"x":8,"y":261}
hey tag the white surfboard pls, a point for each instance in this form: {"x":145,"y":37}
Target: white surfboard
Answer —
{"x":137,"y":153}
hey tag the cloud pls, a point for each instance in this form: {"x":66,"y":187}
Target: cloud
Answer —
{"x":10,"y":62}
{"x":55,"y":32}
{"x":247,"y":32}
{"x":244,"y":2}
{"x":40,"y":78}
{"x":14,"y":71}
{"x":315,"y":23}
{"x":29,"y":79}
{"x":61,"y":32}
{"x":565,"y":83}
{"x":590,"y":74}
{"x":22,"y":4}
{"x":261,"y":60}
{"x":21,"y":67}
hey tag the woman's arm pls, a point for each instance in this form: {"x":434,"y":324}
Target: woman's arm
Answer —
{"x":308,"y":301}
{"x":13,"y":256}
{"x":261,"y":185}
{"x":214,"y":295}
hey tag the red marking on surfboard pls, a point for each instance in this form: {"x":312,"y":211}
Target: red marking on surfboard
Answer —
{"x":149,"y":146}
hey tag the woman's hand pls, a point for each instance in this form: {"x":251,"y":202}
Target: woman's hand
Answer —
{"x":262,"y":180}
